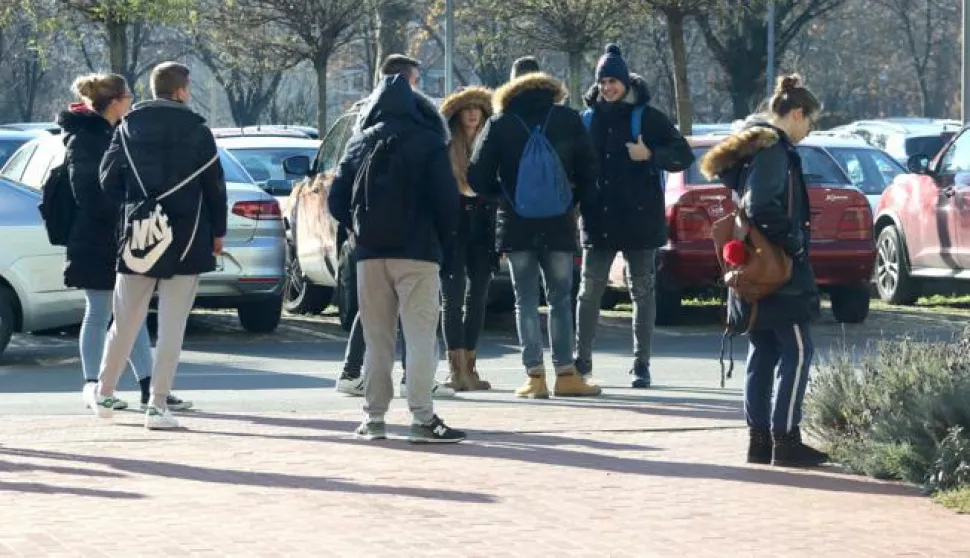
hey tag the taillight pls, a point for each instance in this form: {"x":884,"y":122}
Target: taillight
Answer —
{"x":856,"y":224}
{"x":264,"y":210}
{"x":691,"y":222}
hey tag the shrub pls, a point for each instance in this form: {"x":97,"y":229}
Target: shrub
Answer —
{"x":900,"y":411}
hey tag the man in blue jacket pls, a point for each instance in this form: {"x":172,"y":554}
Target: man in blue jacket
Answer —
{"x":629,"y":215}
{"x":399,"y":251}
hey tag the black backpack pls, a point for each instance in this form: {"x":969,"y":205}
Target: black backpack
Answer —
{"x":58,"y":205}
{"x":383,"y":204}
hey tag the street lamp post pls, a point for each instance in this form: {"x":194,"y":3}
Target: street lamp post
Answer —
{"x":965,"y":66}
{"x":770,"y":69}
{"x":449,"y":46}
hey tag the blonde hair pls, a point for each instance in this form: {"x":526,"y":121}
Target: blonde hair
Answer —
{"x":460,"y":149}
{"x":98,"y":90}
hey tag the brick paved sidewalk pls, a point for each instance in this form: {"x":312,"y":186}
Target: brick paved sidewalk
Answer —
{"x":533,"y":480}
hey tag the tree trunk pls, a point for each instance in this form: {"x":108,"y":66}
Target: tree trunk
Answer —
{"x":675,"y":28}
{"x":576,"y":72}
{"x":118,"y":48}
{"x":320,"y":66}
{"x":392,"y":19}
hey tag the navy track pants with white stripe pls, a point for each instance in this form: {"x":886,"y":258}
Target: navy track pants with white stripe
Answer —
{"x":779,"y":361}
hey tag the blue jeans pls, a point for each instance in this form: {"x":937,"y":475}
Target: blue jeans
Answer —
{"x":557,"y":274}
{"x":94,"y":332}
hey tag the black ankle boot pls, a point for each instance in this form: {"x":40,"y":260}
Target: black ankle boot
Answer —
{"x":790,"y":451}
{"x":759,"y":446}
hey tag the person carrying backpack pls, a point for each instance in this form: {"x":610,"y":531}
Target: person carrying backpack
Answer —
{"x":92,"y":243}
{"x":394,"y":190}
{"x":163,"y":169}
{"x":761,"y":165}
{"x":534,"y":156}
{"x":634,"y":143}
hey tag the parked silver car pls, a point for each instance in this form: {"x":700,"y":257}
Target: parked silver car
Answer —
{"x":249,"y":274}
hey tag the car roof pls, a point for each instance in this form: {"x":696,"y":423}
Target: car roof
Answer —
{"x":25,"y":135}
{"x":43,"y":127}
{"x":258,"y":131}
{"x":255,"y":142}
{"x":820,"y":140}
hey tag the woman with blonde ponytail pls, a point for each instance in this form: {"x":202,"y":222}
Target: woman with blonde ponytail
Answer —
{"x":467,"y":270}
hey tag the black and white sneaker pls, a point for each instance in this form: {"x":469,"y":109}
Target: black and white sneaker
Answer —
{"x":436,"y":432}
{"x":172,"y":402}
{"x":351,"y":386}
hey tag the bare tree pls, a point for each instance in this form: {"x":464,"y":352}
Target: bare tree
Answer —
{"x":737,"y":34}
{"x":310,"y":30}
{"x":391,"y":18}
{"x":574,"y":27}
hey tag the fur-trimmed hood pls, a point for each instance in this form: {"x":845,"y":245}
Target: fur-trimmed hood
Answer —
{"x":637,"y":94}
{"x":737,"y":147}
{"x":536,"y":81}
{"x":480,"y":97}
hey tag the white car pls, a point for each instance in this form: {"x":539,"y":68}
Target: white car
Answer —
{"x":249,"y":275}
{"x":262,"y":156}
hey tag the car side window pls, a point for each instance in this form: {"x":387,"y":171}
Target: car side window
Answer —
{"x":40,"y":164}
{"x":14,"y":169}
{"x":957,"y":157}
{"x":332,"y":147}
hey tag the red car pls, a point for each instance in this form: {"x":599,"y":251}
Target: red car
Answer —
{"x":923,"y":224}
{"x":842,"y":254}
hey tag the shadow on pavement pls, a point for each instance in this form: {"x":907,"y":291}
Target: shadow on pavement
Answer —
{"x":38,"y":488}
{"x":524,"y":448}
{"x":246,"y":478}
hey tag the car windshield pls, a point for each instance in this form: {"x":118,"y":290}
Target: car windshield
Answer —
{"x":234,"y":172}
{"x":817,"y":166}
{"x":870,"y":170}
{"x":266,"y":163}
{"x":927,"y":145}
{"x":7,"y":149}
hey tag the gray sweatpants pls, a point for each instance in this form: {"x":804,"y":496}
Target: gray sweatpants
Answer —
{"x":132,"y":295}
{"x":386,"y":290}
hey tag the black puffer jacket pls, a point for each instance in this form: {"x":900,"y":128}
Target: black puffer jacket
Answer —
{"x":760,"y":163}
{"x":395,"y":109}
{"x":92,"y":248}
{"x":169,"y":142}
{"x":495,"y":163}
{"x":629,"y":212}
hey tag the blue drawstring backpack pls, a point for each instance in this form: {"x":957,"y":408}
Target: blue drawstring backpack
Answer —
{"x":542,"y":188}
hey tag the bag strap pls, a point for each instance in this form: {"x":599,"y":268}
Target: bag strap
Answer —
{"x":177,"y":187}
{"x":636,"y":121}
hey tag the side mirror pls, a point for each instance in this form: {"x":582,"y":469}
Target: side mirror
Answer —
{"x":278,"y":187}
{"x":297,"y":165}
{"x":918,"y":164}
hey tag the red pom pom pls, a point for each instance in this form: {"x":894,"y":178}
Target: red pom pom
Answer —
{"x":735,"y":253}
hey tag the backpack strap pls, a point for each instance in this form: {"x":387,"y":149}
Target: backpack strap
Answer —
{"x":177,"y":187}
{"x":636,"y":121}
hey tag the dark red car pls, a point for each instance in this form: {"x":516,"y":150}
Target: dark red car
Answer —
{"x":842,"y":253}
{"x":923,"y":225}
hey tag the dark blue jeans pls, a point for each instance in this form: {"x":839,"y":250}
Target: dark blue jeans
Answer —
{"x":779,"y":362}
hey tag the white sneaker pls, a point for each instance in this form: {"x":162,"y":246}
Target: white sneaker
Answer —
{"x":351,"y":386}
{"x":119,"y":404}
{"x":160,"y":420}
{"x":438,"y":391}
{"x":103,"y":407}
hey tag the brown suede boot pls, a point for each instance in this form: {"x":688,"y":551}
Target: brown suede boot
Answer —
{"x":535,"y":386}
{"x":569,"y":383}
{"x":457,"y":371}
{"x":475,"y":382}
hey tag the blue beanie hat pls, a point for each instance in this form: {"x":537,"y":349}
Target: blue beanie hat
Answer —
{"x":612,"y":65}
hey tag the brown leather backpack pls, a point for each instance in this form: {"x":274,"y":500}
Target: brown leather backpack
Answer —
{"x":768,"y":267}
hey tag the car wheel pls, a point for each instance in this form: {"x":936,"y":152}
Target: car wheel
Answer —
{"x":670,"y":304}
{"x":346,"y":293}
{"x":262,"y":316}
{"x":850,"y":304}
{"x":893,"y":281}
{"x":8,"y":313}
{"x":299,"y":295}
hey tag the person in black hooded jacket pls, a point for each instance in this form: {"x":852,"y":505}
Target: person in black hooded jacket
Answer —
{"x":161,"y":148}
{"x":92,"y":246}
{"x":533,"y":245}
{"x":761,"y":165}
{"x":628,"y":215}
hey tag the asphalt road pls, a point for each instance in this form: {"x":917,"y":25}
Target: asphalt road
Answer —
{"x":225,"y":369}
